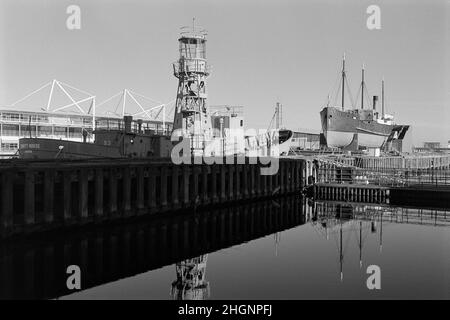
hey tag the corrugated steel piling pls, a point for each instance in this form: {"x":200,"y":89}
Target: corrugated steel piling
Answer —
{"x":50,"y":195}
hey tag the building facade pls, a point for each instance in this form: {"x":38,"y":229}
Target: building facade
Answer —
{"x":15,"y":124}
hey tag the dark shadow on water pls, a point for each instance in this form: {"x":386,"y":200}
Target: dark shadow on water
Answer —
{"x":35,"y":268}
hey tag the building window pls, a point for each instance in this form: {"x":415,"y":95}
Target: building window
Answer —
{"x":26,"y":131}
{"x":9,"y":146}
{"x":11,"y":116}
{"x":60,"y":132}
{"x":11,"y":130}
{"x":24,"y":117}
{"x":75,"y":133}
{"x":44,"y":131}
{"x":41,"y":118}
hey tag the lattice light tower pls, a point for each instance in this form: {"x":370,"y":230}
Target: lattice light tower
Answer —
{"x":191,"y":114}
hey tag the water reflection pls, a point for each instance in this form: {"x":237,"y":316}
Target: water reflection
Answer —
{"x":191,"y":283}
{"x":340,"y":222}
{"x":345,"y":222}
{"x":36,"y":268}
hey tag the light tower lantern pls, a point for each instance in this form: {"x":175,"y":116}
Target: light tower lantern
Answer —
{"x":191,"y":113}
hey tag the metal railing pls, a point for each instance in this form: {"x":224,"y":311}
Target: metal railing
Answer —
{"x":329,"y":211}
{"x":384,"y":177}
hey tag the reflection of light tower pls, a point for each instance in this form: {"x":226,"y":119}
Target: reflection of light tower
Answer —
{"x":191,"y":70}
{"x":191,"y":283}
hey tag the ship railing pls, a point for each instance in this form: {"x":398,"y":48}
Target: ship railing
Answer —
{"x":392,"y":177}
{"x":423,"y":216}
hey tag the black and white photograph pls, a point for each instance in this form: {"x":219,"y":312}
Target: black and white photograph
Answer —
{"x":238,"y":153}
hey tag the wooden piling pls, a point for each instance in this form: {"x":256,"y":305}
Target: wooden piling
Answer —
{"x":29,"y":198}
{"x":83,"y":195}
{"x":7,"y":181}
{"x":98,"y":193}
{"x":112,"y":184}
{"x":67,"y":196}
{"x":49,"y":196}
{"x":140,"y":204}
{"x":126,"y":183}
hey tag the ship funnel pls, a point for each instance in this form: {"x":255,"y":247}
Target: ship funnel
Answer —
{"x":375,"y":100}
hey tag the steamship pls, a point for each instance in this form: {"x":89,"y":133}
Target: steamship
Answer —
{"x":352,"y":129}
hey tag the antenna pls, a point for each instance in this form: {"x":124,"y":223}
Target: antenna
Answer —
{"x":382,"y":98}
{"x":279,"y":115}
{"x":343,"y":80}
{"x":362,"y":88}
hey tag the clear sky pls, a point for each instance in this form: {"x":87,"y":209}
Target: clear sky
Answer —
{"x":261,"y":51}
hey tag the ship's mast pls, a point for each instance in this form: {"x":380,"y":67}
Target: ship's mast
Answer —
{"x":382,"y":98}
{"x":279,"y":115}
{"x":343,"y":80}
{"x":362,"y":88}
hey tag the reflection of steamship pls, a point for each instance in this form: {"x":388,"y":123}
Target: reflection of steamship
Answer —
{"x":358,"y":127}
{"x":340,"y":221}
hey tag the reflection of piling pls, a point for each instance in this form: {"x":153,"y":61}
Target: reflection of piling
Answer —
{"x":118,"y":251}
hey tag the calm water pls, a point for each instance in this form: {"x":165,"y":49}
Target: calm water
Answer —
{"x":284,"y":249}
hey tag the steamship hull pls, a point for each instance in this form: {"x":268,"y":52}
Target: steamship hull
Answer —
{"x":341,"y":128}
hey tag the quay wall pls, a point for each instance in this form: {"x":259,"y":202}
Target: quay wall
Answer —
{"x":37,"y":196}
